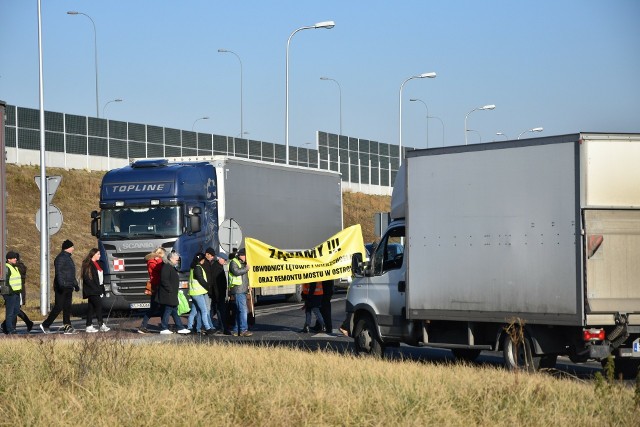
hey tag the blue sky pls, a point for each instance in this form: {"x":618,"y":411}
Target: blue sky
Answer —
{"x":567,"y":66}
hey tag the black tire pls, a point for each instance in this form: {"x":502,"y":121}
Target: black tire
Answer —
{"x":548,"y":361}
{"x":465,"y":354}
{"x":365,"y":338}
{"x":524,"y":352}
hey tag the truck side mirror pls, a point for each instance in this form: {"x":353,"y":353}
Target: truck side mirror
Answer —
{"x":95,"y":227}
{"x":195,"y":224}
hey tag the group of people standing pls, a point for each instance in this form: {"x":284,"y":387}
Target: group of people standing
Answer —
{"x":209,"y":289}
{"x":65,"y":283}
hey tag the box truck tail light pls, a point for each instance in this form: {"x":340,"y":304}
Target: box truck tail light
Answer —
{"x":593,"y":244}
{"x":593,"y":334}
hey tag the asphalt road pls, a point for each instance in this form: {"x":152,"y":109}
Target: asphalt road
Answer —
{"x":279,"y":323}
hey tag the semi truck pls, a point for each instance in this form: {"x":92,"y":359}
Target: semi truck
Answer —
{"x":528,"y":247}
{"x":188,"y":205}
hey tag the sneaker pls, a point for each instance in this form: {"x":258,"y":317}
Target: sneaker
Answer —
{"x":143,"y":330}
{"x":104,"y":328}
{"x":184,"y":331}
{"x":234,"y":333}
{"x":68,"y":330}
{"x":246,"y":334}
{"x":44,"y":329}
{"x":166,"y":332}
{"x":305,"y":329}
{"x":91,"y":329}
{"x":211,"y":331}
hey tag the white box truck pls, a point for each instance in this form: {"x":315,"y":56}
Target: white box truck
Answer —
{"x":543,"y":230}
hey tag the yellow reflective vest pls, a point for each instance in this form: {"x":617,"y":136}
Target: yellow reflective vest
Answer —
{"x":15,"y":280}
{"x":195,"y":288}
{"x":233,"y":279}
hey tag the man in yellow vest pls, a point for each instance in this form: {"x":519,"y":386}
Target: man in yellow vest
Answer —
{"x":12,"y":299}
{"x":239,"y":287}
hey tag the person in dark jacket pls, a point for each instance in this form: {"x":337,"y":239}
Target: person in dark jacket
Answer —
{"x":93,"y":290}
{"x":312,"y":295}
{"x":239,"y":288}
{"x":325,"y":307}
{"x":22,"y":269}
{"x":64,"y":284}
{"x":12,"y":300}
{"x":218,"y":288}
{"x":167,"y":295}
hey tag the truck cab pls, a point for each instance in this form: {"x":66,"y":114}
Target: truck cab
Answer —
{"x":147,"y":205}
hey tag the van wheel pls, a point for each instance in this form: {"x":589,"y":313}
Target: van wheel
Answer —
{"x":466,"y":354}
{"x":522,"y":358}
{"x":365,"y":338}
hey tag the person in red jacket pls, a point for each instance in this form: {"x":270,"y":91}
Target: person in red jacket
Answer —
{"x":154,"y":267}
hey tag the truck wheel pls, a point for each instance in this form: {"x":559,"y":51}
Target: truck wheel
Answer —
{"x":519,"y":360}
{"x":466,"y":354}
{"x":365,"y":338}
{"x":548,"y":361}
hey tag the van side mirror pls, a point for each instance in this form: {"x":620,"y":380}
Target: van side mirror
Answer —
{"x":358,"y":267}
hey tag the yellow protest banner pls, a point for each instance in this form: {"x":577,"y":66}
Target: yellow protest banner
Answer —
{"x":269,"y":266}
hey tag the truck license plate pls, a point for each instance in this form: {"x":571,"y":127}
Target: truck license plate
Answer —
{"x":139,"y":305}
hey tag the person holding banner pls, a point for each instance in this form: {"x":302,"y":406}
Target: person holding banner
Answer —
{"x":239,"y":287}
{"x":312,"y":294}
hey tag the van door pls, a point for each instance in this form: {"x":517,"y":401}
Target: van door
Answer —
{"x":386,"y":291}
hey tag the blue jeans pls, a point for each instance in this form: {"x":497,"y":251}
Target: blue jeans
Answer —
{"x":199,"y":308}
{"x":12,"y":306}
{"x":173,"y":312}
{"x":241,"y":314}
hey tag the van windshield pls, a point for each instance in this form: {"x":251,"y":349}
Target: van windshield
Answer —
{"x":138,"y":222}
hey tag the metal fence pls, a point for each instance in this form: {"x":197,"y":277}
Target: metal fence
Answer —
{"x":365,"y":165}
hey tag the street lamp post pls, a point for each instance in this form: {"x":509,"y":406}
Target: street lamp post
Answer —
{"x":479,"y":135}
{"x":486,"y":107}
{"x":325,"y":24}
{"x":340,"y":94}
{"x":196,"y":120}
{"x":430,"y":75}
{"x":240,"y":61}
{"x":95,"y":49}
{"x":502,"y":134}
{"x":109,"y":102}
{"x":442,"y":123}
{"x":105,"y":117}
{"x":427,"y":116}
{"x":531,"y":130}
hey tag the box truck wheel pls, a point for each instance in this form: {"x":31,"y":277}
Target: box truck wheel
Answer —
{"x":522,"y":357}
{"x":466,"y":354}
{"x":365,"y":338}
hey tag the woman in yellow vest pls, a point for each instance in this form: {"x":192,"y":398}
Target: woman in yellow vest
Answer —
{"x":198,"y":290}
{"x":13,"y":281}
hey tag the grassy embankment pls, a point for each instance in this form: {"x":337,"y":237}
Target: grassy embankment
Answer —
{"x":102,"y":381}
{"x":77,"y":196}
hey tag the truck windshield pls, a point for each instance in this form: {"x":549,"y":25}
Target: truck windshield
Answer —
{"x":137,"y":222}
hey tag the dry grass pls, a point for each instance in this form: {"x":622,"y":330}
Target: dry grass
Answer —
{"x":78,"y":195}
{"x":109,"y":382}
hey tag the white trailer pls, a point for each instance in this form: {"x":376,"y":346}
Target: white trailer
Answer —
{"x":543,"y":233}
